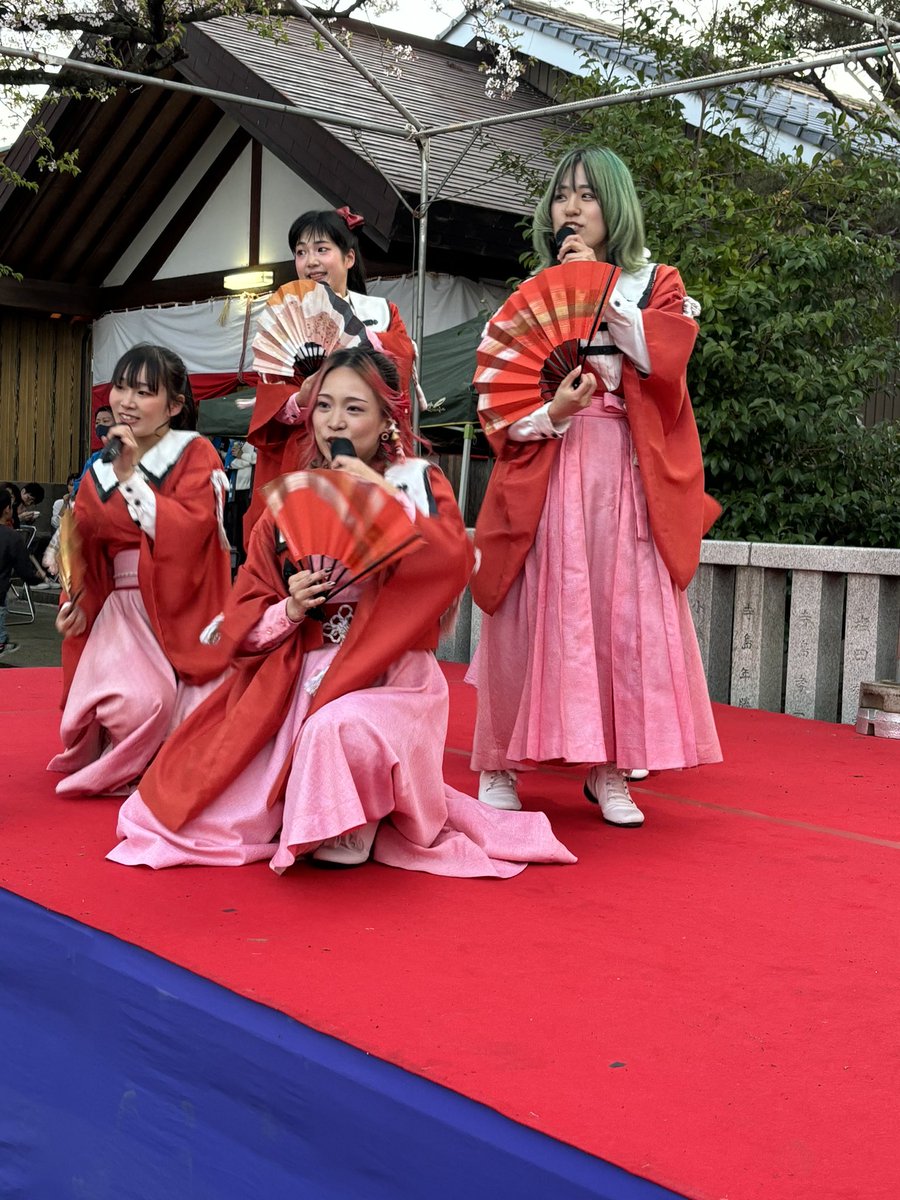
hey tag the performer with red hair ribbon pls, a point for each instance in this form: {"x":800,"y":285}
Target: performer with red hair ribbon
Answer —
{"x":325,"y":247}
{"x":332,"y":730}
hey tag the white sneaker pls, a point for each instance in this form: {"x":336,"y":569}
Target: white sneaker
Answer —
{"x":350,"y":849}
{"x":498,"y":789}
{"x":606,"y":786}
{"x":637,"y":774}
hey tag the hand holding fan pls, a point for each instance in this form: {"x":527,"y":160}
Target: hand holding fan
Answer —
{"x":300,"y":326}
{"x":339,"y":524}
{"x":543,"y":331}
{"x":70,"y":556}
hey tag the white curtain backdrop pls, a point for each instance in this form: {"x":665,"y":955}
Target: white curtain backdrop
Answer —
{"x":208,"y":335}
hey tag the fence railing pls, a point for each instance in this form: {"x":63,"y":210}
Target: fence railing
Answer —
{"x":787,"y":628}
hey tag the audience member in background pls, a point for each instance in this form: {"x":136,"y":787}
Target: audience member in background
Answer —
{"x":14,"y":560}
{"x":32,"y":498}
{"x":103,"y":422}
{"x":49,"y":560}
{"x":31,"y":514}
{"x":13,"y":489}
{"x":241,"y":463}
{"x":64,"y":502}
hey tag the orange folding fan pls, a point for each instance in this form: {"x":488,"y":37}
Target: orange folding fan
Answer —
{"x":339,"y":524}
{"x":543,"y":331}
{"x":300,"y":326}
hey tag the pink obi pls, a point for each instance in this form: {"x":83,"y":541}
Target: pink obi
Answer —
{"x":125,"y":570}
{"x":604,"y":404}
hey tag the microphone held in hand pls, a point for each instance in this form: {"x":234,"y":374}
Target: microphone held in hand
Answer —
{"x":561,"y":234}
{"x":112,"y":449}
{"x":342,"y":446}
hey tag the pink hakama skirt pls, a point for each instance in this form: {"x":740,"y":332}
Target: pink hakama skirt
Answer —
{"x":125,"y":697}
{"x":592,"y":656}
{"x":373,"y":754}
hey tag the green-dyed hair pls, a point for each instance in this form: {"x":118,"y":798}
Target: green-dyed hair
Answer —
{"x":613,"y":186}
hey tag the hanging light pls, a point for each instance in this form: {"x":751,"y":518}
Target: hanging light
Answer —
{"x":248,"y":281}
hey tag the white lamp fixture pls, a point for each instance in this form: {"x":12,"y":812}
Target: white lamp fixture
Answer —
{"x":248,"y":281}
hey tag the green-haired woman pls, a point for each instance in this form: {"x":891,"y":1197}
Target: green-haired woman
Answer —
{"x":591,"y":530}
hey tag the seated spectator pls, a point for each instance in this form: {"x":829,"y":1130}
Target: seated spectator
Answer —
{"x":14,"y":560}
{"x":64,"y":502}
{"x":32,"y":497}
{"x":16,"y":495}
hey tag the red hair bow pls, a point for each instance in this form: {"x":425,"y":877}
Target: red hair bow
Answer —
{"x":351,"y":219}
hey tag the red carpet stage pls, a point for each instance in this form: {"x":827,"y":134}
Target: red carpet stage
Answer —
{"x":710,"y":1003}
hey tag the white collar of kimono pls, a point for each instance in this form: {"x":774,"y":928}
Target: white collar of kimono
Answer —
{"x":411,"y":475}
{"x":155,"y":464}
{"x":373,"y":311}
{"x":632,"y":285}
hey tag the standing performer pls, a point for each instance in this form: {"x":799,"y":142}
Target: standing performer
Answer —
{"x":334,"y":732}
{"x":157,"y":570}
{"x":325,"y":249}
{"x":591,"y":529}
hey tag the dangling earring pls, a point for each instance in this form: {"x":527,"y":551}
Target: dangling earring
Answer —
{"x":392,"y":434}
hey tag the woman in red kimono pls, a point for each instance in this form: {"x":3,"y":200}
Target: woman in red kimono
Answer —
{"x":326,"y":250}
{"x":157,"y":570}
{"x":333,"y":732}
{"x":591,"y":529}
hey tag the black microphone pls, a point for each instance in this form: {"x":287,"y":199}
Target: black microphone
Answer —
{"x":561,"y":234}
{"x":342,"y":446}
{"x":112,"y":449}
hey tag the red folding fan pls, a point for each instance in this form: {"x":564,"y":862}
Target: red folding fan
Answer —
{"x":339,"y":524}
{"x":543,"y":331}
{"x":301,"y":325}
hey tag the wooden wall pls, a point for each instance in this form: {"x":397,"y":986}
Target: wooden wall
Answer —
{"x":44,"y":396}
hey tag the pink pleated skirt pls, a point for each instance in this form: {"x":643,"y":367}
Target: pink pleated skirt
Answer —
{"x":374,"y":754}
{"x":592,"y":656}
{"x":125,"y":697}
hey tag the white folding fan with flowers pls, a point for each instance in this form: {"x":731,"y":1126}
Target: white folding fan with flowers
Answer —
{"x":301,"y":325}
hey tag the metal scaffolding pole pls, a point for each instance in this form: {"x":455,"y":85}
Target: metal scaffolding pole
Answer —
{"x":421,"y":266}
{"x":676,"y":87}
{"x":855,"y":14}
{"x":173,"y":85}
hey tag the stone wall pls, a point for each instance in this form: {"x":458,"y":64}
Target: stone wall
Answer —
{"x":787,"y":628}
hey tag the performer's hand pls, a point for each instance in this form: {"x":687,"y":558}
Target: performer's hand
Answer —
{"x":574,"y":393}
{"x":71,"y":621}
{"x":574,"y":249}
{"x":356,"y":466}
{"x":124,"y":463}
{"x":306,"y":590}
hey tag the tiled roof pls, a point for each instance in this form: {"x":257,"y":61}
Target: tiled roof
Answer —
{"x":438,"y":84}
{"x":791,"y":108}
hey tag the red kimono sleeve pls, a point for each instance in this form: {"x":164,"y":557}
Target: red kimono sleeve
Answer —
{"x":225,"y":733}
{"x":665,"y":433}
{"x":184,"y":571}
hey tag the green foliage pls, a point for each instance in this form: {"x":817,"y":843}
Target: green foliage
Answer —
{"x":794,"y":265}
